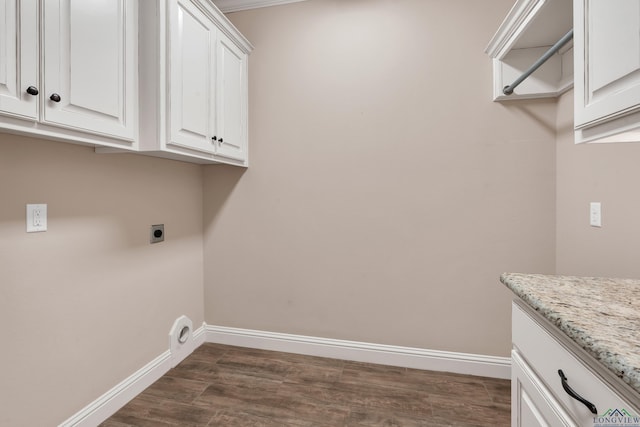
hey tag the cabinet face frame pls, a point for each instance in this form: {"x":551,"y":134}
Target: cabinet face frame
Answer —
{"x":19,"y":58}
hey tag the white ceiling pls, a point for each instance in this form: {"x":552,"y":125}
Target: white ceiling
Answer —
{"x":236,"y":5}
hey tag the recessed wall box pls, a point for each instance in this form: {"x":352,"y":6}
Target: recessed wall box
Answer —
{"x":157,"y":233}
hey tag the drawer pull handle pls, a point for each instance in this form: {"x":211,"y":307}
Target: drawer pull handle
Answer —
{"x":575,"y":395}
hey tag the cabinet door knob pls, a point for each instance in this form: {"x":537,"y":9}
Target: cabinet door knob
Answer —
{"x":576,"y":396}
{"x":221,"y":140}
{"x":215,"y":138}
{"x":55,"y":97}
{"x":32,"y":90}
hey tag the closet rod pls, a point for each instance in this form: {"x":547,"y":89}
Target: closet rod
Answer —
{"x":508,"y":90}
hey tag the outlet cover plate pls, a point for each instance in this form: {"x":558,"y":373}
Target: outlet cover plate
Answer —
{"x":595,"y":214}
{"x":36,"y":218}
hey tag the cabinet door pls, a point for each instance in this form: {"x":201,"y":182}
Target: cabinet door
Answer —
{"x":192,"y":70}
{"x":18,"y":57}
{"x":607,"y":48}
{"x":90,"y":63}
{"x":532,"y":405}
{"x":232,"y":95}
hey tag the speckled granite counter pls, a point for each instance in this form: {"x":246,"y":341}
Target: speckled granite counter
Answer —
{"x":601,"y":315}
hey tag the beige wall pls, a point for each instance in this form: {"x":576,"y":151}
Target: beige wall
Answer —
{"x":87,"y":303}
{"x":606,"y":173}
{"x":386,"y":192}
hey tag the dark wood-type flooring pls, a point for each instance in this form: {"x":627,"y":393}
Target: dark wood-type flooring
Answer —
{"x":221,"y":385}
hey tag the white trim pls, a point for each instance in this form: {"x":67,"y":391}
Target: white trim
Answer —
{"x":109,"y":403}
{"x":409,"y":357}
{"x":199,"y":336}
{"x":236,"y":5}
{"x":514,"y":25}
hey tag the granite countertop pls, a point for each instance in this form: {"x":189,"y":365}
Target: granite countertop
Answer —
{"x":601,"y":315}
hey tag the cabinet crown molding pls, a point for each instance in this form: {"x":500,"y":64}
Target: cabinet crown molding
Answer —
{"x":513,"y":26}
{"x":531,"y":24}
{"x":215,"y":13}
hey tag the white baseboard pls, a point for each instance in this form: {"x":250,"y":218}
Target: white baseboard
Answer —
{"x":110,"y":402}
{"x":417,"y":358}
{"x":199,"y":336}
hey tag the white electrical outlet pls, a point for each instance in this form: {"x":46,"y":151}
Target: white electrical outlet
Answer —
{"x":36,"y":218}
{"x":595,"y":214}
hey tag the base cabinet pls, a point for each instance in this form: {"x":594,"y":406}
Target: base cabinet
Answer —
{"x":540,"y":354}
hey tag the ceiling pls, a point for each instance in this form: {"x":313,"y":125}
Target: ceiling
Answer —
{"x":236,"y":5}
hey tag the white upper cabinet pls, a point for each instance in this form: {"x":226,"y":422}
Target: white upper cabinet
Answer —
{"x":166,"y":78}
{"x":68,"y":70}
{"x":89,"y":57}
{"x":607,"y":60}
{"x":194,"y":99}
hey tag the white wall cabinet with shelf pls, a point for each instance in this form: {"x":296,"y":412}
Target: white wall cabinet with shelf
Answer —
{"x":68,"y":70}
{"x":195,"y":94}
{"x":607,"y":61}
{"x":528,"y":31}
{"x":538,"y":397}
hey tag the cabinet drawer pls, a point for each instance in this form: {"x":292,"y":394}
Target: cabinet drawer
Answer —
{"x":546,"y":355}
{"x":532,"y":405}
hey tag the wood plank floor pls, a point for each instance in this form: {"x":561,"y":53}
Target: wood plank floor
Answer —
{"x":221,"y":385}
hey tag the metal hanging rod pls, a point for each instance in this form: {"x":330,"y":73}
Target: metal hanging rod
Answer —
{"x":508,"y":90}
